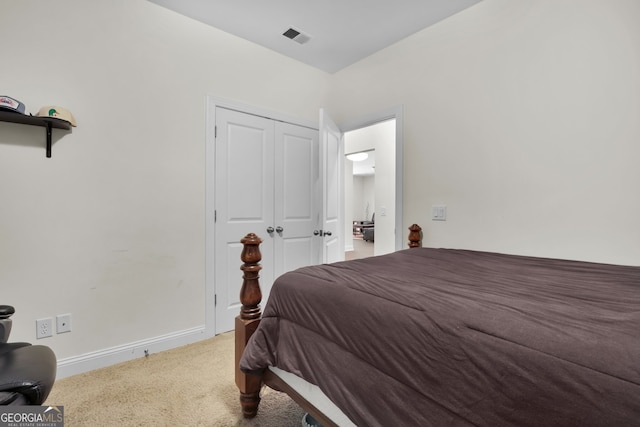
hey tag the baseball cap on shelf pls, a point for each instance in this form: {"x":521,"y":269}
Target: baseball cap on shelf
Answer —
{"x":10,"y":104}
{"x":58,"y":113}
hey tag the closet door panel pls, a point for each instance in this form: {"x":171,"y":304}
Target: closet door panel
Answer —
{"x":296,"y":210}
{"x":250,"y":186}
{"x":244,"y":203}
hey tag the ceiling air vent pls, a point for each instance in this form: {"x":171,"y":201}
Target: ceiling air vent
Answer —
{"x":296,"y":36}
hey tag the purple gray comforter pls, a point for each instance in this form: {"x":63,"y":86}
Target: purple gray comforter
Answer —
{"x":437,"y":337}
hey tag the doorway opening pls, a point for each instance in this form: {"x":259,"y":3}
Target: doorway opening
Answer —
{"x":359,"y":191}
{"x":370,"y":189}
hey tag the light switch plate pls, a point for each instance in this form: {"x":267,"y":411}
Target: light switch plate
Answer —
{"x":439,"y":213}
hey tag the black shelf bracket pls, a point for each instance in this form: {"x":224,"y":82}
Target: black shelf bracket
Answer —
{"x":48,"y":131}
{"x":47,"y":122}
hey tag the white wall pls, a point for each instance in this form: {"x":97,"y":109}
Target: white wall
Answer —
{"x":522,"y":118}
{"x":350,"y":193}
{"x":112,"y":228}
{"x":364,"y":188}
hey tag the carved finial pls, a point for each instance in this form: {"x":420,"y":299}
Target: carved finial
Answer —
{"x":415,"y":237}
{"x":250,"y":293}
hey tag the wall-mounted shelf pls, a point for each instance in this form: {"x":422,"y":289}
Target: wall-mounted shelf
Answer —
{"x":47,"y":122}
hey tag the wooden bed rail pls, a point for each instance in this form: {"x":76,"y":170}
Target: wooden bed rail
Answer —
{"x":249,"y":319}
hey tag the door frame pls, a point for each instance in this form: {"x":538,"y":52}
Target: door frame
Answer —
{"x":211,"y":103}
{"x":396,"y":113}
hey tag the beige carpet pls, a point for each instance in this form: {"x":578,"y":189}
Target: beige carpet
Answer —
{"x":188,"y":386}
{"x":361,"y":249}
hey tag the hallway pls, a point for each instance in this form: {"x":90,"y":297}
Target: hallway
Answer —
{"x":361,"y":248}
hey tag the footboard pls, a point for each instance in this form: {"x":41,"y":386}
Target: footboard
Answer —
{"x":247,"y":322}
{"x":249,"y":319}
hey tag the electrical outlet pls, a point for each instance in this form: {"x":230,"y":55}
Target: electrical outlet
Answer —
{"x":44,"y":328}
{"x":63,"y":323}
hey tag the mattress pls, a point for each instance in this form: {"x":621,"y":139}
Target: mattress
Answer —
{"x":312,"y":394}
{"x":453,"y":337}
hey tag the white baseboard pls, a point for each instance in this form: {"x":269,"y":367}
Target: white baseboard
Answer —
{"x":349,"y":248}
{"x":110,"y":356}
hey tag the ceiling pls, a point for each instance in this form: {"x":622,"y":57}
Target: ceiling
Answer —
{"x":339,"y":32}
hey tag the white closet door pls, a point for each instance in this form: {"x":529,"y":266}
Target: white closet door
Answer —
{"x":267,"y":176}
{"x":296,"y":201}
{"x":332,"y":182}
{"x":244,"y":203}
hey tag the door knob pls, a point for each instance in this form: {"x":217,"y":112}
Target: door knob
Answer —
{"x":279,"y":229}
{"x":270,"y":230}
{"x":327,"y":233}
{"x":317,"y":233}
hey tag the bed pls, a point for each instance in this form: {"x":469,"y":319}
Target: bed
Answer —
{"x":443,"y":337}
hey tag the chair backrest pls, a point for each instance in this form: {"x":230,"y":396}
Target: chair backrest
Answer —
{"x":5,"y":322}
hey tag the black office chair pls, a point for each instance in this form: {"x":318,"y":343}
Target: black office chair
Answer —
{"x":27,"y":372}
{"x":369,"y":230}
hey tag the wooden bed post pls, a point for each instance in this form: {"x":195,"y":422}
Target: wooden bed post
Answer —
{"x":248,"y":321}
{"x":415,"y":238}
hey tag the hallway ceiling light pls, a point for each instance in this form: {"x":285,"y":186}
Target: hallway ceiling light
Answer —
{"x":357,"y":157}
